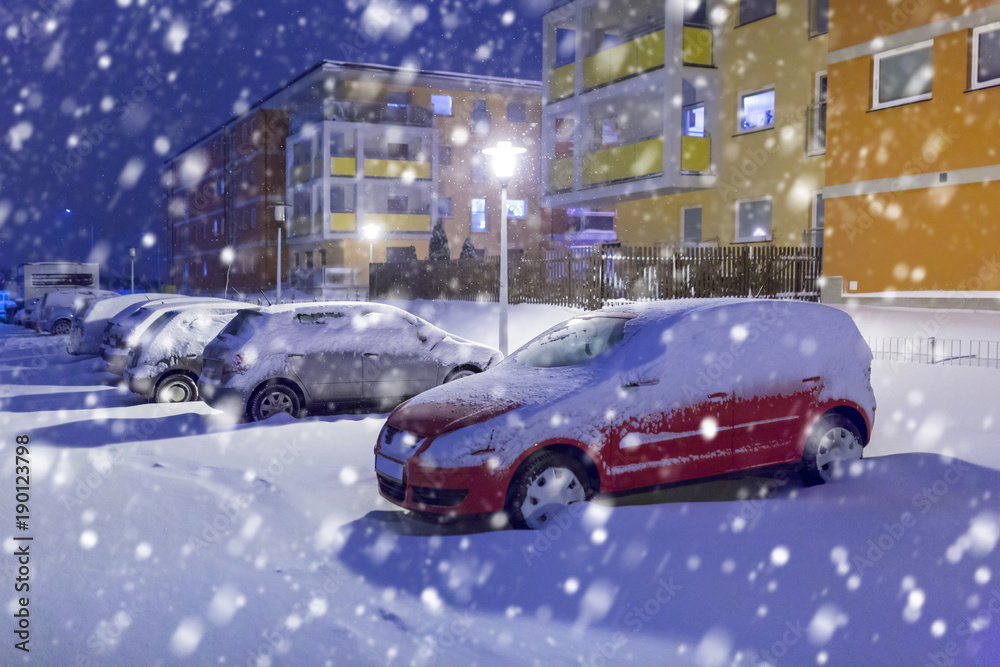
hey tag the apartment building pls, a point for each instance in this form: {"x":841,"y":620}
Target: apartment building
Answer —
{"x":355,"y":163}
{"x":913,"y":169}
{"x":700,"y":122}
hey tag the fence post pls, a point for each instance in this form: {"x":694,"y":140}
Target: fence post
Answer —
{"x":931,"y":341}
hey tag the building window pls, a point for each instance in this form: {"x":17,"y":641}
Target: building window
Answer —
{"x":754,"y":10}
{"x":819,"y":17}
{"x":444,"y":207}
{"x":517,"y":208}
{"x":478,"y":168}
{"x":399,"y":151}
{"x":398,"y":204}
{"x":756,"y":110}
{"x":479,"y":215}
{"x":441,"y":104}
{"x":986,"y":56}
{"x":814,"y":235}
{"x":253,"y":218}
{"x":516,"y":112}
{"x":753,"y":220}
{"x":322,"y":257}
{"x":694,"y":120}
{"x":215,"y":227}
{"x":444,"y":154}
{"x":903,"y":75}
{"x":691,"y":224}
{"x":817,"y":123}
{"x":253,"y":173}
{"x":480,"y":117}
{"x":309,"y":259}
{"x":607,"y":133}
{"x":204,"y":268}
{"x":400,"y":98}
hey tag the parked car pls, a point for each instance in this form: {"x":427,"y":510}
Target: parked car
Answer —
{"x":56,"y":309}
{"x":166,"y":362}
{"x":7,"y":307}
{"x":123,"y":334}
{"x":331,"y":356}
{"x":88,"y":325}
{"x":632,"y":397}
{"x":28,"y":315}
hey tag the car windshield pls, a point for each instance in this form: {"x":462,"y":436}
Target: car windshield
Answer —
{"x":575,"y":342}
{"x":241,"y":323}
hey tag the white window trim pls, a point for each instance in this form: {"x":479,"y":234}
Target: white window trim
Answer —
{"x":739,"y":110}
{"x":812,"y":152}
{"x":752,"y":239}
{"x":815,"y":204}
{"x":895,"y":52}
{"x":683,"y":210}
{"x":976,"y":32}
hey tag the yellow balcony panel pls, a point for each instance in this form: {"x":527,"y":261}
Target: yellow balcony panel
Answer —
{"x":560,"y":173}
{"x":696,"y":154}
{"x":649,"y":51}
{"x":610,"y":65}
{"x":342,"y":166}
{"x":400,"y":222}
{"x":562,"y":82}
{"x":397,"y":168}
{"x":343,"y":222}
{"x":623,"y":162}
{"x":697,"y":46}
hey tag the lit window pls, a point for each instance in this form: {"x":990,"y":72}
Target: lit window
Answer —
{"x":694,"y":121}
{"x":756,"y":110}
{"x":753,"y":220}
{"x":903,"y":75}
{"x":754,"y":10}
{"x":444,"y":207}
{"x":480,"y":117}
{"x":986,"y":56}
{"x":444,"y":153}
{"x":479,"y":215}
{"x":441,"y":104}
{"x":517,"y":208}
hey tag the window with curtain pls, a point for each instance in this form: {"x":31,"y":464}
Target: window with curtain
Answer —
{"x":756,"y":110}
{"x":479,"y":215}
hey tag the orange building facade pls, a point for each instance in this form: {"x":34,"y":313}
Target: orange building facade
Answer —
{"x":912,"y":190}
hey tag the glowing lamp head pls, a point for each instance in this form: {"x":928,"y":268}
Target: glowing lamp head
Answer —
{"x":504,"y":158}
{"x":228,"y":255}
{"x":148,"y":240}
{"x":371,"y":231}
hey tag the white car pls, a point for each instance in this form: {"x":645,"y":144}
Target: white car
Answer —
{"x":56,"y":309}
{"x":331,"y":356}
{"x":89,"y":324}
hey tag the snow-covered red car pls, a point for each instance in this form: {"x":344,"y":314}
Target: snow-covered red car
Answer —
{"x":632,"y":397}
{"x":331,"y":356}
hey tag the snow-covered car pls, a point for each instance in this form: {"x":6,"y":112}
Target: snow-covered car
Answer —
{"x":125,"y":333}
{"x":166,"y":362}
{"x":331,"y":356}
{"x":56,"y":309}
{"x":88,"y":325}
{"x":631,"y":397}
{"x":28,"y":315}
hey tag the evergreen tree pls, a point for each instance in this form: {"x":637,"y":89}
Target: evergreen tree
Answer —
{"x":439,"y":251}
{"x":468,"y":250}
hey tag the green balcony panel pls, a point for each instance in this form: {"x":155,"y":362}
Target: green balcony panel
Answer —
{"x":623,"y":162}
{"x":649,"y":51}
{"x":562,"y":82}
{"x":610,"y":65}
{"x":697,"y":46}
{"x":696,"y":154}
{"x":560,"y":174}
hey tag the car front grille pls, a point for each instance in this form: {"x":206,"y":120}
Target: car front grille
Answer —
{"x":391,"y":488}
{"x":440,"y":497}
{"x":390,"y":433}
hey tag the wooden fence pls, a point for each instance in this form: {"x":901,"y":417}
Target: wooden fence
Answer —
{"x":592,"y":277}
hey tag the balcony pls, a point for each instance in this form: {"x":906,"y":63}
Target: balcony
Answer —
{"x":560,"y":174}
{"x":385,"y":168}
{"x":343,"y":166}
{"x":400,"y":222}
{"x":620,"y":62}
{"x":366,"y":112}
{"x":638,"y":160}
{"x":343,"y":221}
{"x":562,"y":82}
{"x":697,"y":46}
{"x":696,"y":155}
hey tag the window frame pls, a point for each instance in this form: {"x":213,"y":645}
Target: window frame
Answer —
{"x":451,"y":107}
{"x":976,"y":84}
{"x":739,"y":109}
{"x":813,"y":30}
{"x":739,"y":18}
{"x":472,"y":212}
{"x":701,"y":235}
{"x":770,"y":232}
{"x":818,"y":101}
{"x":876,"y":77}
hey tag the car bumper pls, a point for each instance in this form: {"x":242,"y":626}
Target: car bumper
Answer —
{"x":220,"y":397}
{"x":473,"y":490}
{"x":144,"y":386}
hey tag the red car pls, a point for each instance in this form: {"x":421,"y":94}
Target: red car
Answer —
{"x":632,"y":397}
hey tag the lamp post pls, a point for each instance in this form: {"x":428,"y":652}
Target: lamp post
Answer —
{"x":227,"y":256}
{"x":279,"y":218}
{"x":131,"y":254}
{"x":504,"y":158}
{"x":148,"y":241}
{"x":371,"y":232}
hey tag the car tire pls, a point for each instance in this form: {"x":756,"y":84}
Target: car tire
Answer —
{"x":543,"y":486}
{"x":272,"y":399}
{"x":459,"y":373}
{"x":60,"y":328}
{"x":833,"y":443}
{"x":176,"y":388}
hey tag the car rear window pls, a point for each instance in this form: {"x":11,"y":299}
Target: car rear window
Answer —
{"x":575,"y":342}
{"x":241,"y":324}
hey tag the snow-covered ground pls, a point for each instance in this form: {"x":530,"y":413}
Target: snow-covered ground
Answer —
{"x":164,"y":535}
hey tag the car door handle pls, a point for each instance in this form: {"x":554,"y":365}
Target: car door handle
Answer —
{"x":812,"y":379}
{"x":371,"y":354}
{"x":297,"y":356}
{"x":641,"y":383}
{"x":721,"y":394}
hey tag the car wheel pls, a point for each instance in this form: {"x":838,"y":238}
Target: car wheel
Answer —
{"x":176,"y":388}
{"x":460,"y":373}
{"x":833,"y":444}
{"x":273,"y":399}
{"x":60,"y":328}
{"x":543,"y":487}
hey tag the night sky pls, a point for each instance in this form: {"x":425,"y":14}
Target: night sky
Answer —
{"x":97,"y":93}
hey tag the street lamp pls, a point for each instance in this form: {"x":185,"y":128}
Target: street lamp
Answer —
{"x":279,"y":217}
{"x":371,"y":232}
{"x":228,"y":255}
{"x":131,"y":254}
{"x":504,"y":158}
{"x":148,"y":241}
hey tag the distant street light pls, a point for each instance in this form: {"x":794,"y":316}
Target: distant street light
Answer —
{"x":148,"y":241}
{"x":504,"y":158}
{"x":371,"y":232}
{"x":228,"y":255}
{"x":280,"y":216}
{"x":131,"y":254}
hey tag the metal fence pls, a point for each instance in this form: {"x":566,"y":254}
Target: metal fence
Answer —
{"x":947,"y":351}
